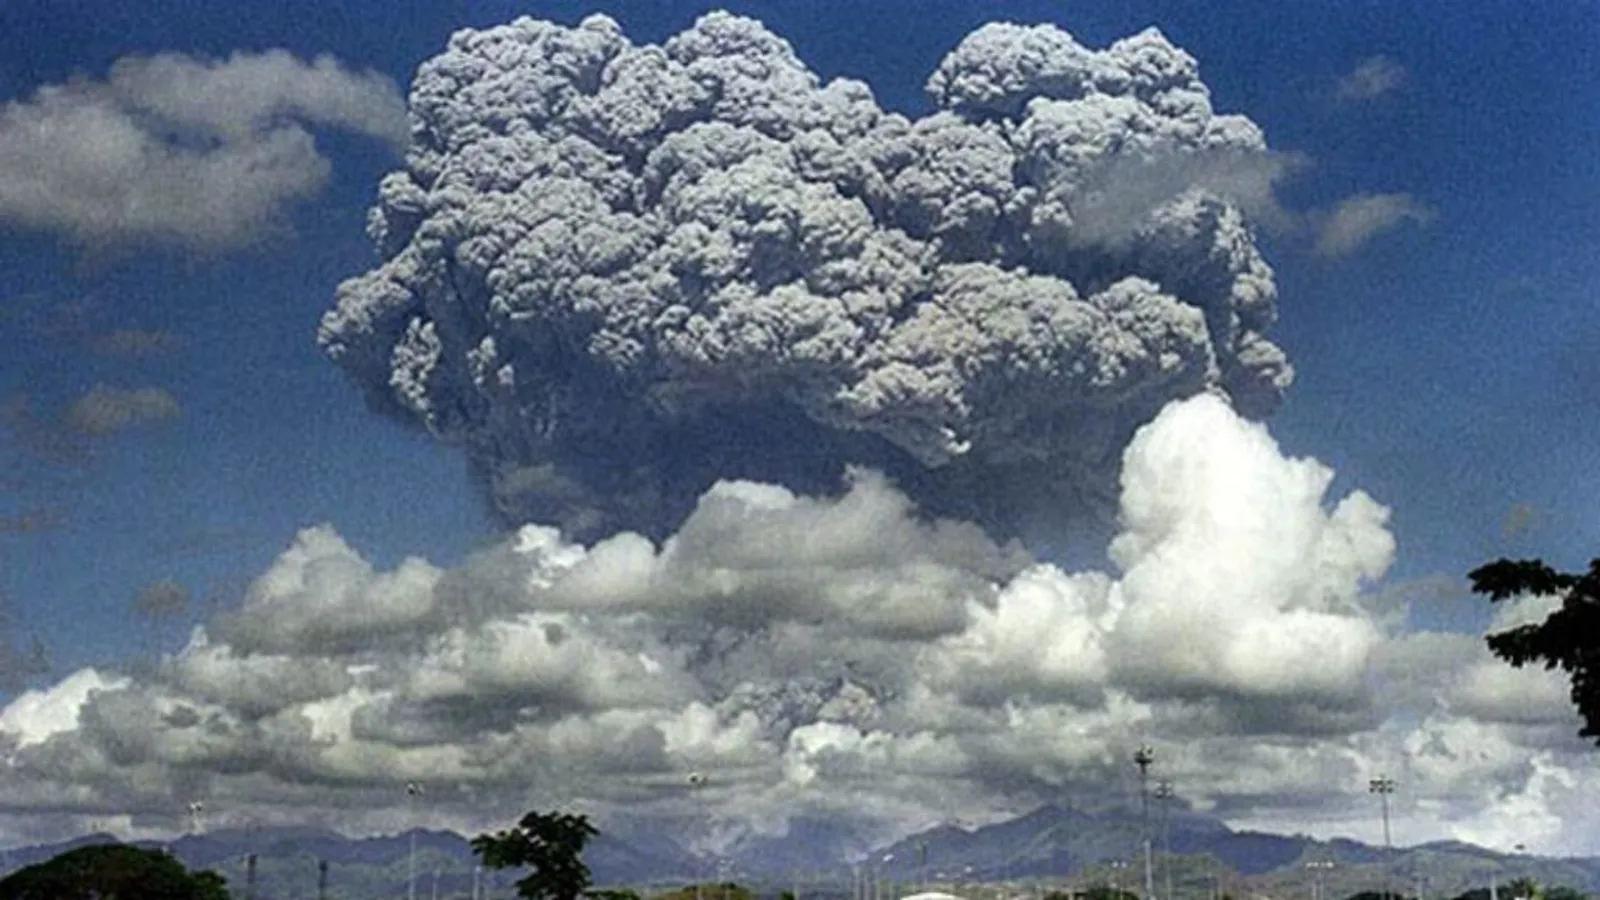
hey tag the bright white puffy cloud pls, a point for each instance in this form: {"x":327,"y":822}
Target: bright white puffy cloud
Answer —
{"x":321,"y":595}
{"x":1234,"y":573}
{"x":751,"y":555}
{"x":36,"y":716}
{"x":772,"y":643}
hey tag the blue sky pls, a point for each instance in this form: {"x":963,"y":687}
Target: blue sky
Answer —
{"x":1446,"y":362}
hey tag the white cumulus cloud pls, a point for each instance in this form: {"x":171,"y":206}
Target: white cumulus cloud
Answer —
{"x":798,"y":649}
{"x":176,"y":149}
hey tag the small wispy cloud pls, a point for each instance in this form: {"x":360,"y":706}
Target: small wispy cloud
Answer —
{"x":106,"y":410}
{"x":32,"y":521}
{"x":133,"y":344}
{"x":162,"y":599}
{"x":1361,"y":217}
{"x":1372,"y":78}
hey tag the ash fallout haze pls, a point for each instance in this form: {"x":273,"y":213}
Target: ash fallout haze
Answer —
{"x":896,"y":413}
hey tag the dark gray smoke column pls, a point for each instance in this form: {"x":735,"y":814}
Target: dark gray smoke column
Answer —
{"x":615,"y":274}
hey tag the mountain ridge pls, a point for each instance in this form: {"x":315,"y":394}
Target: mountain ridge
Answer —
{"x":1052,"y":845}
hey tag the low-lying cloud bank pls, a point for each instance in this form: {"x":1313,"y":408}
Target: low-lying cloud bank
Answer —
{"x":842,"y":655}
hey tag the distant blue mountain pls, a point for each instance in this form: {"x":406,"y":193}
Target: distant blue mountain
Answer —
{"x":822,"y":857}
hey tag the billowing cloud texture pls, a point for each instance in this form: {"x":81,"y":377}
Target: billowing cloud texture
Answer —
{"x":616,"y":274}
{"x":844,"y":655}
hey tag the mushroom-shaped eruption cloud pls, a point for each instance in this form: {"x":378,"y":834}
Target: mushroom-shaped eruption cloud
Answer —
{"x":615,"y":274}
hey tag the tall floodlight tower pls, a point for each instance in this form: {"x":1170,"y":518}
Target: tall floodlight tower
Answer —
{"x":1383,"y":786}
{"x":1164,"y":793}
{"x":696,"y":782}
{"x":1142,"y":758}
{"x":413,"y":791}
{"x":1318,"y":868}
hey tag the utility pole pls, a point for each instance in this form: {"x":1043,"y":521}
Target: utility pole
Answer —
{"x":1164,"y":793}
{"x":1317,"y":867}
{"x":1383,"y":786}
{"x":322,"y":879}
{"x":250,"y":876}
{"x":413,"y":791}
{"x":696,"y":782}
{"x":1066,"y":843}
{"x":1142,"y":758}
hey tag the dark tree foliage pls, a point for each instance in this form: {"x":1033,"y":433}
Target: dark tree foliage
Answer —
{"x":1568,"y":638}
{"x":549,"y":843}
{"x":112,"y":872}
{"x":726,"y":890}
{"x":1522,"y":887}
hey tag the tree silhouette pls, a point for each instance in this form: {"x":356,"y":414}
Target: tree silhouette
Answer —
{"x":1568,"y":638}
{"x":112,"y":872}
{"x":551,"y":844}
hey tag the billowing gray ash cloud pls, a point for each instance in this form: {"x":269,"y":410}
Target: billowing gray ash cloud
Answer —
{"x":615,"y":273}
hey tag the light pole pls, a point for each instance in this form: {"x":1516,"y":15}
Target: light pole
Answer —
{"x":696,"y":782}
{"x":1521,"y":849}
{"x":196,"y":809}
{"x":1164,"y":793}
{"x":1383,"y":786}
{"x":1317,"y":867}
{"x":1117,"y":865}
{"x":1142,"y":758}
{"x":413,"y":791}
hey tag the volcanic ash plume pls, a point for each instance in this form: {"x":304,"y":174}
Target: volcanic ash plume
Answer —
{"x":615,"y":274}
